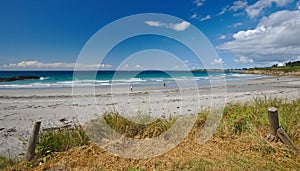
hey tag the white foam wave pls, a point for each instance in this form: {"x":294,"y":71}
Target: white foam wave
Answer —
{"x":241,"y":75}
{"x":44,"y":78}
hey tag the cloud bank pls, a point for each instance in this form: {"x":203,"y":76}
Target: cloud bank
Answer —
{"x":243,"y":60}
{"x":275,"y":38}
{"x":257,"y":8}
{"x":36,"y":65}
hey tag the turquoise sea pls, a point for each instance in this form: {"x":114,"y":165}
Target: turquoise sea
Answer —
{"x":60,"y":79}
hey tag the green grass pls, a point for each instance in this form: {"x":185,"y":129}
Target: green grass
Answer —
{"x":6,"y":162}
{"x":144,"y":129}
{"x":248,"y":117}
{"x":60,"y":140}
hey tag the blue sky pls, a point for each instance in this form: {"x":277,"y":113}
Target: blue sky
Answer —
{"x":50,"y":34}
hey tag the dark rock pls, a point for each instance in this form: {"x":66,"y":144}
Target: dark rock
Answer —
{"x":63,"y":120}
{"x":23,"y":77}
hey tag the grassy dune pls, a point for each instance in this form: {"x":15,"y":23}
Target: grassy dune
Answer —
{"x":237,"y":144}
{"x":290,"y":69}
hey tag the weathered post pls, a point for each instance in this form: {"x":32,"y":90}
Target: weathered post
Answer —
{"x":274,"y":123}
{"x":32,"y":141}
{"x":277,"y":133}
{"x":286,"y":139}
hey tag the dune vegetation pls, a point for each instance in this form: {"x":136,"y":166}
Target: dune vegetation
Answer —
{"x":239,"y":143}
{"x":286,"y":69}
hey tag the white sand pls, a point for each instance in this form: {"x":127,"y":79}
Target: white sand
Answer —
{"x":21,"y":108}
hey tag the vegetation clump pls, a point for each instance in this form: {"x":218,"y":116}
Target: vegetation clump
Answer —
{"x":142,"y":130}
{"x":62,"y":139}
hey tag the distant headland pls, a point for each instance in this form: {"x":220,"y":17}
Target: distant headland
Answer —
{"x":280,"y":69}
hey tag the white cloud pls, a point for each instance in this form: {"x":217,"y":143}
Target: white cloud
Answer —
{"x":257,"y":8}
{"x":222,"y":37}
{"x":36,"y":65}
{"x":180,"y":26}
{"x":238,"y":14}
{"x":243,"y":60}
{"x":138,"y":66}
{"x":205,"y":18}
{"x":238,"y":5}
{"x":217,"y":61}
{"x":275,"y":38}
{"x":154,"y":23}
{"x":235,"y":25}
{"x":130,"y":67}
{"x":177,"y":26}
{"x":194,"y":16}
{"x":199,"y":3}
{"x":224,"y":10}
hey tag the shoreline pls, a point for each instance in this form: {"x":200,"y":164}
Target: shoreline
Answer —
{"x":21,"y":108}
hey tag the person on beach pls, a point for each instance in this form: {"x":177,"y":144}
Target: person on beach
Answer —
{"x":165,"y":85}
{"x":130,"y":87}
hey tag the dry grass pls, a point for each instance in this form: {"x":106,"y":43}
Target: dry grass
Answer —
{"x":6,"y":162}
{"x":238,"y":144}
{"x":233,"y":153}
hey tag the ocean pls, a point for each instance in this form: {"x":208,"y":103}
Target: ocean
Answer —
{"x":104,"y":79}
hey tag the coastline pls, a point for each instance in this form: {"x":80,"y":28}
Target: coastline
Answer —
{"x":21,"y":108}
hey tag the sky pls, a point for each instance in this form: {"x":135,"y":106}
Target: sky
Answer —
{"x":52,"y":34}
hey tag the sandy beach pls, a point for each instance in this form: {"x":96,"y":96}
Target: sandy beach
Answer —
{"x":56,"y":107}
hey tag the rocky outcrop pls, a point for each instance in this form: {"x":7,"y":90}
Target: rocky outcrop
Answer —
{"x":23,"y":77}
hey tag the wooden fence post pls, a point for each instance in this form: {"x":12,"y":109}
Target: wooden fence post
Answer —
{"x":274,"y":123}
{"x":277,"y":133}
{"x":32,"y":141}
